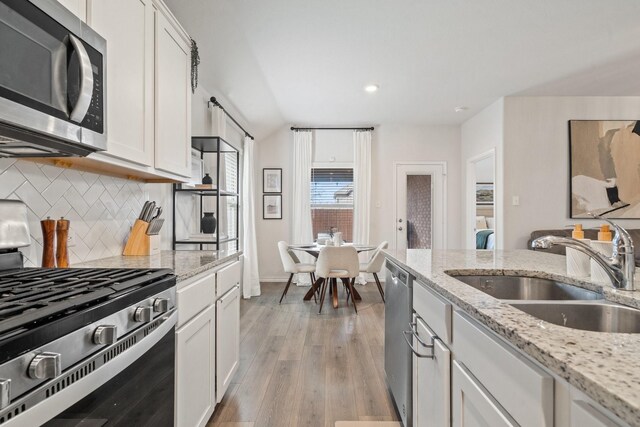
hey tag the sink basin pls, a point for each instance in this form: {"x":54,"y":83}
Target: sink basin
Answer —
{"x":598,"y":317}
{"x":527,"y":288}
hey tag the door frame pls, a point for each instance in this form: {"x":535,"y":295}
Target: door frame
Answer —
{"x":396,"y":165}
{"x":470,"y":198}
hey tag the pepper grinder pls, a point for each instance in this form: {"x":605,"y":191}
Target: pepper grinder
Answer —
{"x":48,"y":237}
{"x":62,"y":234}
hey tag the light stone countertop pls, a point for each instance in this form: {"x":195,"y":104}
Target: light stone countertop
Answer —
{"x":185,"y":264}
{"x":602,"y":365}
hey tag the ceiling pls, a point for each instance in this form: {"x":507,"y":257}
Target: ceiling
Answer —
{"x":306,"y":61}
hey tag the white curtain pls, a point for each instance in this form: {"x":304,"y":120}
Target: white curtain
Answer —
{"x":362,"y":190}
{"x":250,"y":281}
{"x":219,"y":122}
{"x":302,"y":231}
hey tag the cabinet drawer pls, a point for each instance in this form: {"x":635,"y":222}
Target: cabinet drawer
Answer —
{"x":521,"y":387}
{"x":195,"y":296}
{"x":228,"y":277}
{"x":435,"y":311}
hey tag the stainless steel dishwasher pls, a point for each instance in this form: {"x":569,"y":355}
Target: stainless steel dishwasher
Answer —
{"x":398,"y":309}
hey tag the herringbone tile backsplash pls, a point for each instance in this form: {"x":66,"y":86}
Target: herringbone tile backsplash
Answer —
{"x":101,"y":208}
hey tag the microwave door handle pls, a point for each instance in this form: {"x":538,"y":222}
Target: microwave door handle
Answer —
{"x":86,"y":81}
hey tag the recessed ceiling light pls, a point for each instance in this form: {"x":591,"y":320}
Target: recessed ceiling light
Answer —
{"x":371,"y":88}
{"x":460,"y":109}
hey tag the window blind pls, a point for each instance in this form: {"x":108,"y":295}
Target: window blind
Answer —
{"x":331,"y":188}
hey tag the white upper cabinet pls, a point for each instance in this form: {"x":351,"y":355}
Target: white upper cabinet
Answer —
{"x":172,"y":95}
{"x":78,"y":7}
{"x":127,"y":25}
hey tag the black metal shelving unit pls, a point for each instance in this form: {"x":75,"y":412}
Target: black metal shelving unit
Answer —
{"x":219,"y":147}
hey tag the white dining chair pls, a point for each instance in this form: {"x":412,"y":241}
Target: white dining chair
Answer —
{"x":292,"y":265}
{"x":374,"y":265}
{"x":339,"y":262}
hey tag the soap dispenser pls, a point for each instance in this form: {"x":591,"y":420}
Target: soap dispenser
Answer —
{"x":604,"y":245}
{"x":578,"y":263}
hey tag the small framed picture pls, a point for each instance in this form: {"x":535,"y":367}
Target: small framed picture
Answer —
{"x":484,"y":193}
{"x":272,"y":206}
{"x":272,"y":180}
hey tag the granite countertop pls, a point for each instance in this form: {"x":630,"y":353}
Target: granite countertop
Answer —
{"x":602,"y":365}
{"x":185,"y":264}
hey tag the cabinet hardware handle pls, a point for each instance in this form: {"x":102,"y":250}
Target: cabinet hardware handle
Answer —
{"x":414,"y":332}
{"x":413,"y":349}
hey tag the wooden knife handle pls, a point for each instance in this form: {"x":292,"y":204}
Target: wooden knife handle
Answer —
{"x":48,"y":238}
{"x":62,"y":234}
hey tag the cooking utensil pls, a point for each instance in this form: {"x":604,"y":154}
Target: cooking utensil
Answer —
{"x":154,"y":226}
{"x":144,"y":210}
{"x":158,"y":213}
{"x":152,"y":207}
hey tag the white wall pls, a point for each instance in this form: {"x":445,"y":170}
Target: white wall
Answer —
{"x":536,"y":158}
{"x":391,"y":143}
{"x":478,"y":135}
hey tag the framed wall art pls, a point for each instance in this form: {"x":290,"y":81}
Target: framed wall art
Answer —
{"x":272,"y":206}
{"x":603,"y":168}
{"x":484,"y":193}
{"x":272,"y":180}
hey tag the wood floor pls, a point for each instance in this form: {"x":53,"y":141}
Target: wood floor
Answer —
{"x":299,"y":368}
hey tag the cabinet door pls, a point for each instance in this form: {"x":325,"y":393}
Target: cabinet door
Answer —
{"x":227,"y":340}
{"x":127,"y":25}
{"x":432,"y":382}
{"x":78,"y":7}
{"x":473,"y":406}
{"x":585,"y":415}
{"x":195,"y":370}
{"x":172,"y":97}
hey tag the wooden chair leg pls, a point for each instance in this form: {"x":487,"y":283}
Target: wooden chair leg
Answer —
{"x":286,"y":288}
{"x":351,"y":283}
{"x":323,"y":292}
{"x":375,"y":276}
{"x":313,"y":282}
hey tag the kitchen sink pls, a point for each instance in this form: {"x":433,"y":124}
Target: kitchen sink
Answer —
{"x":598,"y":317}
{"x":527,"y":288}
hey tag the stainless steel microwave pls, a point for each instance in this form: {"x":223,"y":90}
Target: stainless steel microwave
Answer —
{"x":52,"y":82}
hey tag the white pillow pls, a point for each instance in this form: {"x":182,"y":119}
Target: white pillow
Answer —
{"x":491,"y":223}
{"x":481,"y":223}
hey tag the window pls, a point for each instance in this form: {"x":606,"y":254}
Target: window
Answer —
{"x":332,"y":201}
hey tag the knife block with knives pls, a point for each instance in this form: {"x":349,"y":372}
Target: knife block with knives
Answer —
{"x":144,"y":238}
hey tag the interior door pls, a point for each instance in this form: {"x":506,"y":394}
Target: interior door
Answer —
{"x":420,"y":221}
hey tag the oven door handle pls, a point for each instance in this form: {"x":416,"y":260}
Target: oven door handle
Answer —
{"x":86,"y":81}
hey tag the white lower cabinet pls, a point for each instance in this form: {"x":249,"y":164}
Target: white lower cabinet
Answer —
{"x":207,"y":344}
{"x":583,"y":414}
{"x":195,"y":370}
{"x":432,"y":379}
{"x":473,"y":406}
{"x":227,"y":340}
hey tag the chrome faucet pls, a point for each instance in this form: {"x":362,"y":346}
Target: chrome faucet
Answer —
{"x":620,"y":267}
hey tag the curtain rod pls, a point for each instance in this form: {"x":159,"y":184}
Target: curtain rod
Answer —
{"x":213,"y":101}
{"x":295,"y":129}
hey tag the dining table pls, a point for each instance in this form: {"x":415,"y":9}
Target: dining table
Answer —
{"x":314,"y":249}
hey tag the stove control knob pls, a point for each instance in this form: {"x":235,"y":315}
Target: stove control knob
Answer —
{"x":45,"y":365}
{"x":105,"y":335}
{"x":161,"y":305}
{"x":142,"y":314}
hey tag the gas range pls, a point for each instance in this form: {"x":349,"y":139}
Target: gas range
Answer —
{"x":70,"y":338}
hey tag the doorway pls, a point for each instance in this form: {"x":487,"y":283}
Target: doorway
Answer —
{"x":480,"y":222}
{"x":420,"y":204}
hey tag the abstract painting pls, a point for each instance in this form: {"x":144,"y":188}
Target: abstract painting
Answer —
{"x":605,"y":168}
